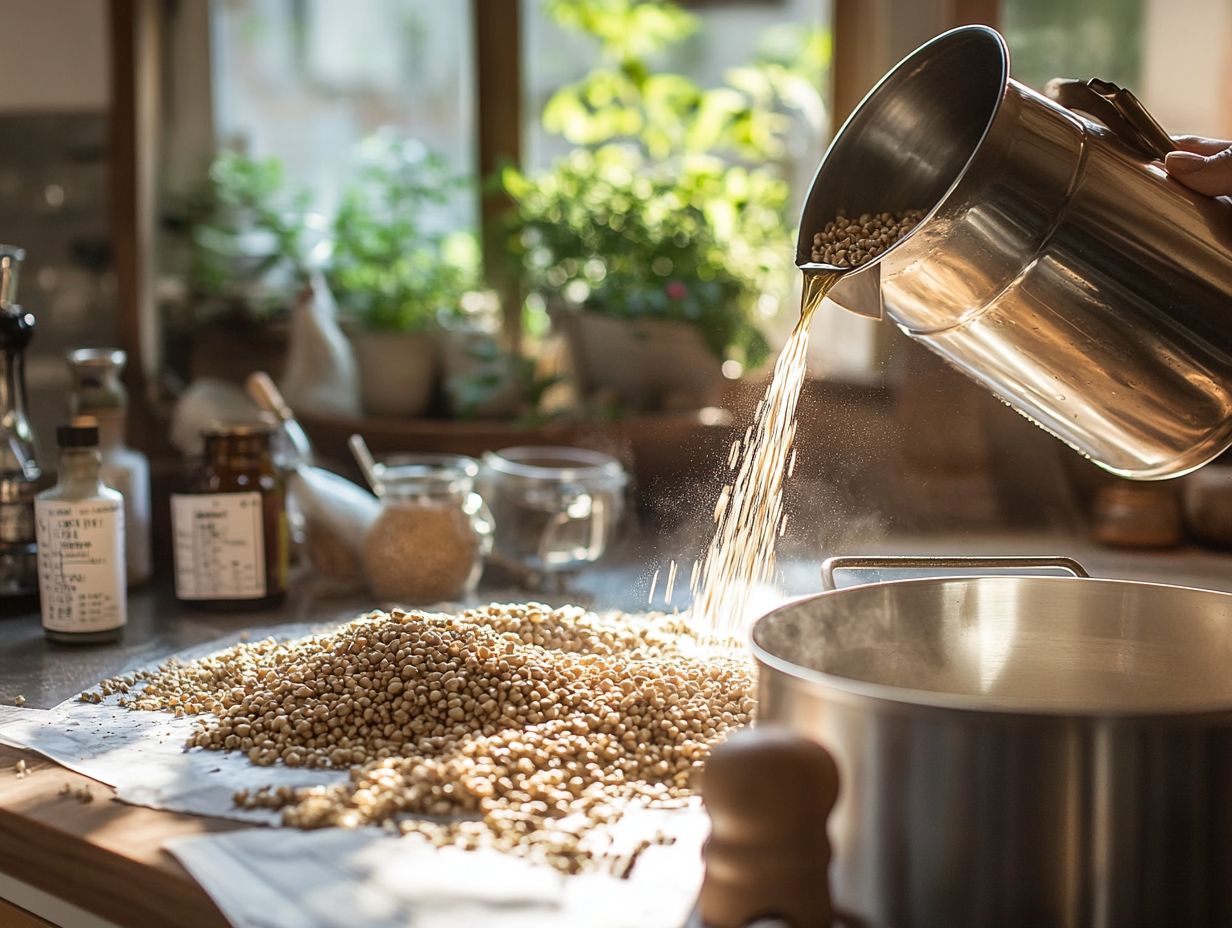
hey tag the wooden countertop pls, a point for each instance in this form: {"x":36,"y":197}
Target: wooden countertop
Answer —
{"x":103,"y":856}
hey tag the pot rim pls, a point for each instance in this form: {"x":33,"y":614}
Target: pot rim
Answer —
{"x":849,"y":690}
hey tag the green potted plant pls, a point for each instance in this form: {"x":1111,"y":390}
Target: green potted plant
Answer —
{"x":247,"y":232}
{"x":243,"y":233}
{"x":393,"y":274}
{"x":647,"y":291}
{"x":661,"y":241}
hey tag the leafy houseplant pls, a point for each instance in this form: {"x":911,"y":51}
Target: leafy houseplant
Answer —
{"x":390,"y":270}
{"x":394,"y":275}
{"x":247,"y":230}
{"x":664,"y":216}
{"x":238,"y":239}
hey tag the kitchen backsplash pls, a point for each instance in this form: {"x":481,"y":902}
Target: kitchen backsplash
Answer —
{"x":53,"y":203}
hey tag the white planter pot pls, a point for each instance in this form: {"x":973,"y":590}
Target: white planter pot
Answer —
{"x":397,"y":372}
{"x":646,"y":364}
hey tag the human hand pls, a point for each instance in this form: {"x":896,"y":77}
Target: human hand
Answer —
{"x":1204,"y":165}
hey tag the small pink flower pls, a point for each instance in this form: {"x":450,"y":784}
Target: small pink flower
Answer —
{"x":676,"y":290}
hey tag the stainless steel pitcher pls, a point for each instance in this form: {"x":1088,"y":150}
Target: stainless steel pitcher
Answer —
{"x":1058,"y":264}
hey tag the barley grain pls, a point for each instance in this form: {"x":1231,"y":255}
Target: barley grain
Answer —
{"x":545,"y":723}
{"x":849,"y":243}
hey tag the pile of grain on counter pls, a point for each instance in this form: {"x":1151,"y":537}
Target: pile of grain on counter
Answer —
{"x":541,"y":727}
{"x":852,"y":242}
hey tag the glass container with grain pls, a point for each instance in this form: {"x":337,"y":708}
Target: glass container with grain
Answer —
{"x":433,"y":532}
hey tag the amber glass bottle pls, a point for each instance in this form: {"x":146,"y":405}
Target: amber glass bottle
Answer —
{"x":231,"y":539}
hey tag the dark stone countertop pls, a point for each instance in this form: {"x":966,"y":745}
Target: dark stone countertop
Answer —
{"x":46,"y":673}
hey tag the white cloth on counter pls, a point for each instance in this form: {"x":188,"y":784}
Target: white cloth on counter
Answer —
{"x":365,"y":878}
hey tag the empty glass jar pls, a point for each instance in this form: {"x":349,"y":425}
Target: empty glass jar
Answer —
{"x":556,"y":508}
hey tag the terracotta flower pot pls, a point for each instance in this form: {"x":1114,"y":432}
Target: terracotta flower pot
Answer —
{"x":397,"y":371}
{"x":645,"y":364}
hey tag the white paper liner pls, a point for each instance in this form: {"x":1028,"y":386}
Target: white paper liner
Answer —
{"x":267,"y":878}
{"x":142,"y":754}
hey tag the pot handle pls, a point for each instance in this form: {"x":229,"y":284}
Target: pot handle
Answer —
{"x":934,"y":562}
{"x":1117,"y":108}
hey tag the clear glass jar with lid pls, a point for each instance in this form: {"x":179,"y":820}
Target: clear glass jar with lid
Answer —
{"x":433,"y":532}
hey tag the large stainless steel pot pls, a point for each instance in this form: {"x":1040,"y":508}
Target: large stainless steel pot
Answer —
{"x":1058,"y":264}
{"x":1017,"y":752}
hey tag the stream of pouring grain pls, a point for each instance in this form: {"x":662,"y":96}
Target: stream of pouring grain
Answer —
{"x":671,"y":583}
{"x":749,"y":513}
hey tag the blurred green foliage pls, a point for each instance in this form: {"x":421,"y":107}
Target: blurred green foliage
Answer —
{"x":389,"y":269}
{"x":670,"y":206}
{"x":253,"y":238}
{"x":246,"y":223}
{"x":1060,"y":38}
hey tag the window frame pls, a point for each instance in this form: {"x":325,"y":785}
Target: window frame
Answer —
{"x":869,"y":37}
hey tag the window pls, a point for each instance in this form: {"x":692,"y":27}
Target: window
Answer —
{"x":1176,"y":55}
{"x":307,"y":81}
{"x":332,"y":132}
{"x":724,"y":45}
{"x":728,"y":35}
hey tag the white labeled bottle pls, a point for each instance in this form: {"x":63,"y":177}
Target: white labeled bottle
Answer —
{"x":128,"y":471}
{"x":80,"y":528}
{"x":98,"y":392}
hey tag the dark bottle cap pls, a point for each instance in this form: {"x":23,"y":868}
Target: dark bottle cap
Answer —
{"x":77,"y":436}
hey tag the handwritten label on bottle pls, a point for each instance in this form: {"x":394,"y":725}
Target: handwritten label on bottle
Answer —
{"x":81,"y":564}
{"x":219,"y":546}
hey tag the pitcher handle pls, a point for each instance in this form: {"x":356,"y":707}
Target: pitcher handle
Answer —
{"x":933,"y":562}
{"x":1117,"y":108}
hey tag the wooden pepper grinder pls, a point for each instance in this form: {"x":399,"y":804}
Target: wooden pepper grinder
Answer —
{"x":769,"y":793}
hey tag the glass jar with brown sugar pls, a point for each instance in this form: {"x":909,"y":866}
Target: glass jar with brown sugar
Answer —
{"x":230,"y":531}
{"x":428,"y":544}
